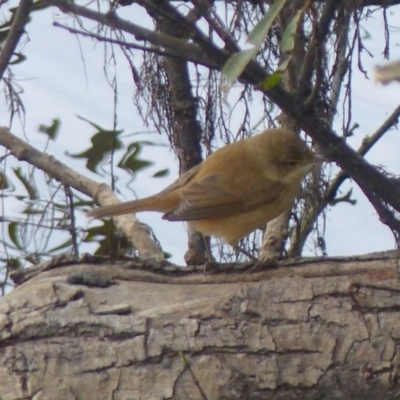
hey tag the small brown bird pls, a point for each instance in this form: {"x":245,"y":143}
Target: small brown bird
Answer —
{"x":236,"y":190}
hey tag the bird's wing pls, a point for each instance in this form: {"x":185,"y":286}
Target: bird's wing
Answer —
{"x":182,"y":180}
{"x":208,"y":197}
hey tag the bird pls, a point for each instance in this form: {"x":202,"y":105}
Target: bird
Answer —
{"x":235,"y":190}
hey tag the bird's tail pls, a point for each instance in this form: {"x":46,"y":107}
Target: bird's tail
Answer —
{"x":151,"y":203}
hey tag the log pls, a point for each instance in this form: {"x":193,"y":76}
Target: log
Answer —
{"x":319,"y":328}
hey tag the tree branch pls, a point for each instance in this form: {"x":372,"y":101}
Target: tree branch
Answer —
{"x":333,"y":147}
{"x":14,"y":35}
{"x":180,"y":47}
{"x":330,"y":194}
{"x":366,"y":145}
{"x":186,"y":128}
{"x":164,"y":10}
{"x":217,"y":25}
{"x":318,"y":38}
{"x":370,"y":180}
{"x":129,"y":225}
{"x":122,"y":43}
{"x":313,"y":206}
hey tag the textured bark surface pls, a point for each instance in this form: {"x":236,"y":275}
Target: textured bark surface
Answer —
{"x":327,"y":328}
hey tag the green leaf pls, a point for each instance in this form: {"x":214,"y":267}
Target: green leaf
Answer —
{"x":51,"y":130}
{"x":238,"y":62}
{"x":271,"y":81}
{"x":32,"y":192}
{"x":13,"y":233}
{"x":40,"y":5}
{"x":235,"y":66}
{"x":287,"y":42}
{"x":130,"y":160}
{"x":103,"y":143}
{"x":36,"y":6}
{"x":161,"y":173}
{"x":78,"y":203}
{"x":110,"y":242}
{"x":98,"y":127}
{"x":18,"y":58}
{"x":4,"y":184}
{"x":260,"y":31}
{"x":92,"y":234}
{"x":3,"y":35}
{"x":62,"y":246}
{"x":31,"y":211}
{"x":14,"y":264}
{"x":284,"y":63}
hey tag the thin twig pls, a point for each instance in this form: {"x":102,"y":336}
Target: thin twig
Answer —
{"x":386,"y":216}
{"x":313,"y":209}
{"x":340,"y":178}
{"x":366,"y":145}
{"x":165,"y":10}
{"x":317,"y":39}
{"x":122,"y":43}
{"x":179,"y":47}
{"x":341,"y":62}
{"x":72,"y":225}
{"x":217,"y":25}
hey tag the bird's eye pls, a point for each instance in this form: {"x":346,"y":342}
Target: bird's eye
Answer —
{"x":291,"y":163}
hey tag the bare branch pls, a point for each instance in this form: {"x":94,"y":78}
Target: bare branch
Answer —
{"x":341,"y":62}
{"x":216,"y":24}
{"x":386,"y":215}
{"x":14,"y":35}
{"x":370,"y":141}
{"x":72,"y":225}
{"x":101,"y":193}
{"x":366,"y":145}
{"x":318,"y":38}
{"x":315,"y":201}
{"x":330,"y":194}
{"x":166,"y":11}
{"x":121,"y":43}
{"x":179,"y":47}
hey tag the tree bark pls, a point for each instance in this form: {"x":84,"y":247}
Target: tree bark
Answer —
{"x":320,"y":328}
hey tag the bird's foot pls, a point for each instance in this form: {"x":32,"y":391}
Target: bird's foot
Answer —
{"x":262,"y":265}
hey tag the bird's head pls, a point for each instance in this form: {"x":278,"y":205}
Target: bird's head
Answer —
{"x":286,"y":156}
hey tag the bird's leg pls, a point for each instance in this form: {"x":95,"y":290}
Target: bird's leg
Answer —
{"x":193,"y":257}
{"x":262,"y":265}
{"x":259,"y":264}
{"x":198,"y":251}
{"x":210,"y":258}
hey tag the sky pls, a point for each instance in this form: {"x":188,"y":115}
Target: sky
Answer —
{"x":64,"y":77}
